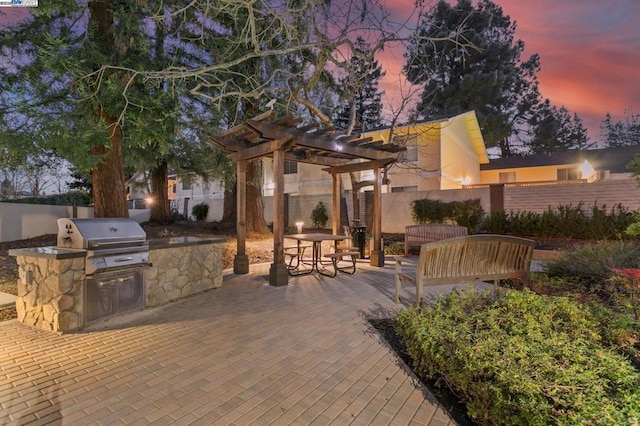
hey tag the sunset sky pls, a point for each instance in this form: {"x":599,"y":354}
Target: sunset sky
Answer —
{"x":589,"y":50}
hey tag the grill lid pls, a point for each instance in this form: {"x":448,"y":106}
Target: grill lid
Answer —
{"x":99,"y":233}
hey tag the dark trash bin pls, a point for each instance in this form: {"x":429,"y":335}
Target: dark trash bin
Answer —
{"x":358,"y":238}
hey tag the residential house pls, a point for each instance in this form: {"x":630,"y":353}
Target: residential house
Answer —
{"x":588,"y":165}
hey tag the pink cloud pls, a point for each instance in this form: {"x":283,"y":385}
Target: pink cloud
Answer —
{"x":588,"y":50}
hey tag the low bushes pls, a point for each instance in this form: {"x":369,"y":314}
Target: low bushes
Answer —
{"x":589,"y":266}
{"x":200,"y":211}
{"x":522,"y":358}
{"x":464,"y":213}
{"x":566,"y":221}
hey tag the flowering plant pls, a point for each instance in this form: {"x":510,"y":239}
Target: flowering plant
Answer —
{"x":626,"y":281}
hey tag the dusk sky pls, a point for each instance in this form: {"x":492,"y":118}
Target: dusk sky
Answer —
{"x":589,"y":51}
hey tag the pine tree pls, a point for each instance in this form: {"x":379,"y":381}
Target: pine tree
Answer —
{"x":481,"y":69}
{"x":363,"y":107}
{"x":624,"y":132}
{"x":555,"y":130}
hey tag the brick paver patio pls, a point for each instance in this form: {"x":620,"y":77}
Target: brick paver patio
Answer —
{"x":243,"y":354}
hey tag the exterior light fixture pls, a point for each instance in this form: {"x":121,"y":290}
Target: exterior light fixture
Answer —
{"x":465,"y":181}
{"x":299,"y":227}
{"x":586,"y":169}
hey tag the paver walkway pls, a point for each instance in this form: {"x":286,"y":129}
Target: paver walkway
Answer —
{"x":244,"y":354}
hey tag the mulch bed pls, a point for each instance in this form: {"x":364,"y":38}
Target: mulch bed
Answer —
{"x":449,"y":401}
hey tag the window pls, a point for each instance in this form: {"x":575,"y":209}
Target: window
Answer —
{"x":410,"y":142}
{"x":568,"y":174}
{"x":411,"y":154}
{"x":507,"y":177}
{"x":290,"y":167}
{"x":186,"y":182}
{"x":404,"y":188}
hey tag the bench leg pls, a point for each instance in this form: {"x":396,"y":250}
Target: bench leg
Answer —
{"x":328,"y":272}
{"x":418,"y":293}
{"x":398,"y":282}
{"x":347,"y":269}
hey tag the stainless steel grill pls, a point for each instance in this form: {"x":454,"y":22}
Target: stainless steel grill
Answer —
{"x":111,"y":244}
{"x":117,"y":255}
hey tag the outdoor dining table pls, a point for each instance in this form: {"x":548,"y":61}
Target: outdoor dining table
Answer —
{"x":316,"y":239}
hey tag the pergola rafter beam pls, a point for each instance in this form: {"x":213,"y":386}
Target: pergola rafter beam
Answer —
{"x":311,"y":140}
{"x":360,"y":167}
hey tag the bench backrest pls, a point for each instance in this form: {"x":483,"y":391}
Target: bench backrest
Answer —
{"x":428,"y":232}
{"x":475,"y":257}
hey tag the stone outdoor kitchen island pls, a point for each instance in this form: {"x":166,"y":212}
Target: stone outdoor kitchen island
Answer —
{"x":52,"y":280}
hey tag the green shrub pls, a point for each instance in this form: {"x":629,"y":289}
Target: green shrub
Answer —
{"x":200,"y":211}
{"x":319,"y":215}
{"x":426,"y":211}
{"x":73,"y":198}
{"x":590,"y":265}
{"x":394,"y":248}
{"x":522,"y":359}
{"x":464,"y":213}
{"x":566,"y":221}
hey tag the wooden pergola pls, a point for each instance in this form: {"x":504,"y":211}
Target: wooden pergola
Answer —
{"x":284,"y":138}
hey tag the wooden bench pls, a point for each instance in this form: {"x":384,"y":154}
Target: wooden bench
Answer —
{"x":339,"y":255}
{"x":429,"y":232}
{"x":472,"y":258}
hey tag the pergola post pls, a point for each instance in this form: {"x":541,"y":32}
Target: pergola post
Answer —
{"x":241,"y":261}
{"x":377,"y":253}
{"x":336,"y":203}
{"x":278,"y":273}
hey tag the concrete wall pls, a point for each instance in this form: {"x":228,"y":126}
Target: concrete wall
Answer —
{"x":396,"y":207}
{"x":21,"y":221}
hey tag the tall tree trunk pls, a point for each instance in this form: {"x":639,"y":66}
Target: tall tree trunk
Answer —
{"x":109,"y":187}
{"x":230,"y":205}
{"x":160,"y":207}
{"x":255,"y":204}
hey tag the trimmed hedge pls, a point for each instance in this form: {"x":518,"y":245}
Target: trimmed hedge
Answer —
{"x":522,"y":359}
{"x":464,"y":213}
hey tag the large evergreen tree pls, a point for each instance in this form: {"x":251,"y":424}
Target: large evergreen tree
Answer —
{"x":362,"y":108}
{"x":481,"y":69}
{"x":623,"y":132}
{"x":555,"y":130}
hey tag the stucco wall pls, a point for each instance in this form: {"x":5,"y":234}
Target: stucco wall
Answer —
{"x":21,"y":221}
{"x":396,"y":207}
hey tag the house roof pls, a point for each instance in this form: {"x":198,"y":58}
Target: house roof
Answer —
{"x":612,"y":159}
{"x":469,"y":120}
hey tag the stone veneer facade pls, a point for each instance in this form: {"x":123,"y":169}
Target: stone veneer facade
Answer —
{"x":50,"y":288}
{"x":181,"y":267}
{"x":51,"y":280}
